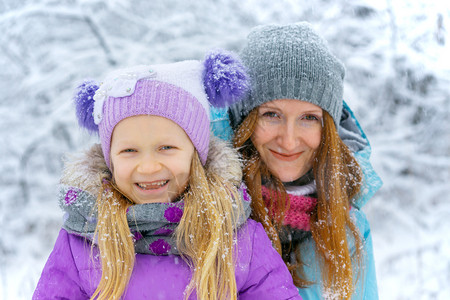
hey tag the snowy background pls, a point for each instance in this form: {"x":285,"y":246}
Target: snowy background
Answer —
{"x":398,"y":77}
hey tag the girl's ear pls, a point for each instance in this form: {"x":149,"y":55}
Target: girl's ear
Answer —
{"x":84,"y":103}
{"x":225,"y":78}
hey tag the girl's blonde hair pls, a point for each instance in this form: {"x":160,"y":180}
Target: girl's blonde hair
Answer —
{"x":338,"y":180}
{"x":204,"y":237}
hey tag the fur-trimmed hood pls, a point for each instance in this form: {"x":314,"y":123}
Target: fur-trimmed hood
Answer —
{"x":81,"y":184}
{"x":84,"y":170}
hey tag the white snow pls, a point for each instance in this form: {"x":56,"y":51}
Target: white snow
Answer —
{"x":397,"y":79}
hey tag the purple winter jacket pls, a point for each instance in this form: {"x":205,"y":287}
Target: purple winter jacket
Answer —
{"x":71,"y":273}
{"x":260,"y":271}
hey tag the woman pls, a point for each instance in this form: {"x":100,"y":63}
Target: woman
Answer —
{"x":307,"y":185}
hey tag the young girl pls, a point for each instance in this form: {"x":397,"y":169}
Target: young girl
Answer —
{"x":156,"y":212}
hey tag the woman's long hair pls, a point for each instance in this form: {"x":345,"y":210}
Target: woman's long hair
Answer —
{"x":254,"y":170}
{"x":204,"y":237}
{"x":338,"y":180}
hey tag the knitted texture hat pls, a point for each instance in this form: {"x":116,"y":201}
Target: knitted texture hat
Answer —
{"x":180,"y":91}
{"x":290,"y":62}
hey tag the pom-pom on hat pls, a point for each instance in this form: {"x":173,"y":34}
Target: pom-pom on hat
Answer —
{"x":225,"y":78}
{"x":84,"y":99}
{"x":290,"y":62}
{"x":181,"y":92}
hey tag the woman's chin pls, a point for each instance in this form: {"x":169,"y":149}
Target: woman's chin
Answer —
{"x":286,"y":176}
{"x":289,"y":178}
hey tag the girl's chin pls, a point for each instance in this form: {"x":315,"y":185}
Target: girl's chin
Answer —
{"x":165,"y":197}
{"x":155,"y":200}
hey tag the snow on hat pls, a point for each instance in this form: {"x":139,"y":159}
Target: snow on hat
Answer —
{"x":181,"y":92}
{"x":290,"y":62}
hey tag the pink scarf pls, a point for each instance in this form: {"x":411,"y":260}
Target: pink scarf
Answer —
{"x":299,"y":211}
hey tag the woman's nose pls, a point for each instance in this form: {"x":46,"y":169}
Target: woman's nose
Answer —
{"x":288,"y":137}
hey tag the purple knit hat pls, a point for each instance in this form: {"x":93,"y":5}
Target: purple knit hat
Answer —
{"x":181,"y":92}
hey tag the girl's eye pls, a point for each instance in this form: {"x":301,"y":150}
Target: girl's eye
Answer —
{"x":128,"y":150}
{"x":167,"y":147}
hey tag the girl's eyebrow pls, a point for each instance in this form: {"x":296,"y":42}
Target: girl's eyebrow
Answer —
{"x":124,"y":143}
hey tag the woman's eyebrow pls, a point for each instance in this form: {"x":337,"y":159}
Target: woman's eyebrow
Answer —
{"x":312,"y":111}
{"x":269,"y":107}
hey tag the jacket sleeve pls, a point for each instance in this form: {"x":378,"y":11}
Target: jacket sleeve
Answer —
{"x":268,"y":276}
{"x":367,"y":284}
{"x":60,"y":278}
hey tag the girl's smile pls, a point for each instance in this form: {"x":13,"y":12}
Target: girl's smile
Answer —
{"x":152,"y":188}
{"x":152,"y":185}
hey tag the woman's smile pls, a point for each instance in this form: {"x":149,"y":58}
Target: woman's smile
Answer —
{"x":285,"y":157}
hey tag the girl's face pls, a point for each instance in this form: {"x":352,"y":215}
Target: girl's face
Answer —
{"x":287,"y":135}
{"x":151,"y":158}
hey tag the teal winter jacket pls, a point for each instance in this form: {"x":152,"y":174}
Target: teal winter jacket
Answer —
{"x":354,"y":137}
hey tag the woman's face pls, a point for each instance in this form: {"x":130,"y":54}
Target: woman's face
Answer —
{"x":287,"y":135}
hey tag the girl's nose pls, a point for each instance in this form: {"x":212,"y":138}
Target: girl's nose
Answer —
{"x":149,"y":164}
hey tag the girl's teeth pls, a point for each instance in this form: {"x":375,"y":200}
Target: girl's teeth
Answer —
{"x":152,"y":186}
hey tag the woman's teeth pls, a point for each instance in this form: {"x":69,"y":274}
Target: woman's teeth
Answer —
{"x":152,"y":186}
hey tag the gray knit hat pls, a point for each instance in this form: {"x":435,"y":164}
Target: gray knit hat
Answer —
{"x":290,"y":62}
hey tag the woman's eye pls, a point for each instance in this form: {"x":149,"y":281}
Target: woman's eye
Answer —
{"x":309,"y":118}
{"x":270,"y":114}
{"x":310,"y":121}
